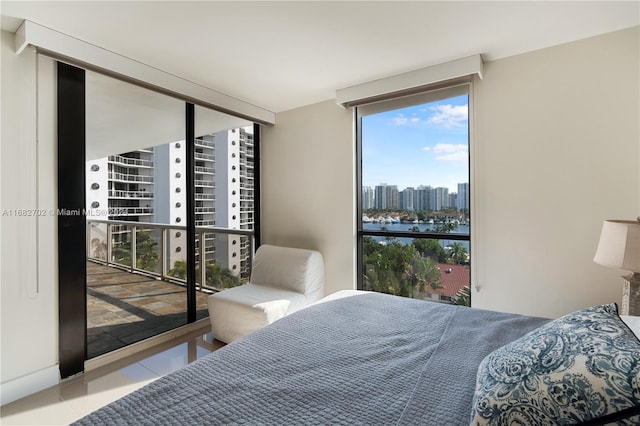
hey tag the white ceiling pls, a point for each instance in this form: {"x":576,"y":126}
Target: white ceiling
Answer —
{"x":282,"y":55}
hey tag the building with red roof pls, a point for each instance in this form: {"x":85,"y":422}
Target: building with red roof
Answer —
{"x":452,"y":279}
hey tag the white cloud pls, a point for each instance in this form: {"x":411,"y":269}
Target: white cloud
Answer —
{"x":449,"y":115}
{"x":400,"y":120}
{"x":450,"y":152}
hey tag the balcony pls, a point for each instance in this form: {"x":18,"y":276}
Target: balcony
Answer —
{"x":204,"y":183}
{"x":131,"y":211}
{"x":201,"y":156}
{"x":201,"y":196}
{"x":205,"y":210}
{"x":126,"y":177}
{"x":130,"y":194}
{"x":126,"y":161}
{"x":136,"y":285}
{"x":200,"y":169}
{"x":203,"y":142}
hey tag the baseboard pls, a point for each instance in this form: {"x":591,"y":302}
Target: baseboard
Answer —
{"x":28,"y":384}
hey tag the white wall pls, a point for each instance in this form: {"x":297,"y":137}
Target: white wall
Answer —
{"x":557,"y":149}
{"x":28,"y":300}
{"x":307,"y":183}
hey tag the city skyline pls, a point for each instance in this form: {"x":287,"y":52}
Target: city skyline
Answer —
{"x":430,"y":143}
{"x":423,"y":197}
{"x":413,"y":186}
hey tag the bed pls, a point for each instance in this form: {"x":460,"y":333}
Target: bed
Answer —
{"x":359,"y":358}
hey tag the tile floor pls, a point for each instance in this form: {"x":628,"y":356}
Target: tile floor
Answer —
{"x":78,"y":396}
{"x":124,"y":308}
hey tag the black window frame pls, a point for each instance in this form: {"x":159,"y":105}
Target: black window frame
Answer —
{"x":436,"y":92}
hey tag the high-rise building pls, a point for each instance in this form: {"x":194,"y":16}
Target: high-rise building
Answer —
{"x":150,"y":186}
{"x":424,"y":198}
{"x":234,"y":196}
{"x":407,"y":198}
{"x":121,"y":187}
{"x":463,"y":197}
{"x":367,"y":198}
{"x":453,"y":199}
{"x":386,"y":196}
{"x":441,"y":198}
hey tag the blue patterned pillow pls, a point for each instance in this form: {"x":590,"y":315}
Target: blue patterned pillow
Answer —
{"x":582,"y":366}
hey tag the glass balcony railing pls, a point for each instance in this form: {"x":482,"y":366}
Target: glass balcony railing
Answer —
{"x":159,"y":250}
{"x":201,"y":156}
{"x":200,"y":169}
{"x":129,"y":177}
{"x":130,"y":194}
{"x":203,"y":142}
{"x":127,"y":161}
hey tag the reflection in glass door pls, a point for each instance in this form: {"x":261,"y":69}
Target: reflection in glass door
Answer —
{"x":131,"y":206}
{"x":225,"y":153}
{"x":138,"y":221}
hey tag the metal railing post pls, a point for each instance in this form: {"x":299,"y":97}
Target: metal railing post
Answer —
{"x":88,"y":239}
{"x":203,"y":261}
{"x":133,"y":248}
{"x":109,"y":244}
{"x":252,"y":243}
{"x":163,"y":253}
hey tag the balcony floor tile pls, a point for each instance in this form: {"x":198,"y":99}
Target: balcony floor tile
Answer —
{"x":124,"y":307}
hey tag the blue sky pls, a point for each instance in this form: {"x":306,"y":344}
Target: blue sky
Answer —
{"x":425,"y":144}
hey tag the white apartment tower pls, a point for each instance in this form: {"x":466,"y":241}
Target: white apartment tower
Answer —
{"x":406,"y":198}
{"x":150,"y":186}
{"x":234,"y":194}
{"x":121,"y":187}
{"x":386,"y":196}
{"x":367,"y":198}
{"x":463,"y":196}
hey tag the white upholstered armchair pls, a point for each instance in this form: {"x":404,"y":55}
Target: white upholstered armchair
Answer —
{"x":283,"y":280}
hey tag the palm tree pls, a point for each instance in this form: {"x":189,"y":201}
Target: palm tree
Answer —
{"x":458,"y":254}
{"x":216,"y":276}
{"x":398,"y":269}
{"x":146,"y":251}
{"x":463,"y":296}
{"x":430,"y":248}
{"x":445,"y":228}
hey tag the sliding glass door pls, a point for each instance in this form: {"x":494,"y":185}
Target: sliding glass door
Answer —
{"x":132,"y":133}
{"x":169,"y":210}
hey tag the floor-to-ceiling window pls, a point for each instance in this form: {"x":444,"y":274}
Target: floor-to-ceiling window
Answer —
{"x":414,"y":195}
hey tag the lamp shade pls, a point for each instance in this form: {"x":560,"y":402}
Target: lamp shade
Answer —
{"x":619,"y":245}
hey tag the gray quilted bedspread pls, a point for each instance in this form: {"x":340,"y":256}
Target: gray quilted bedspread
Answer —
{"x":370,"y":359}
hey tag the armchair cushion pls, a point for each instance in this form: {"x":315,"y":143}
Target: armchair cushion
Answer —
{"x":293,"y":269}
{"x":237,"y":311}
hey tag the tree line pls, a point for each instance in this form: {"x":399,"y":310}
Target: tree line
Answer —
{"x":410,"y":270}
